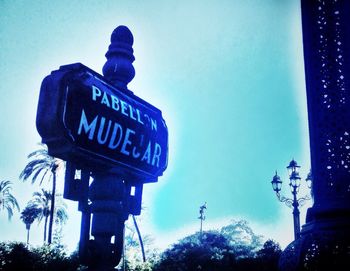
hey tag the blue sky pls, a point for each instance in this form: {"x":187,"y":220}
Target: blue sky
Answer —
{"x":227,"y":75}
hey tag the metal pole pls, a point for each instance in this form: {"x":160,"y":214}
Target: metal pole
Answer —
{"x":296,"y":215}
{"x":124,"y":251}
{"x":201,"y":216}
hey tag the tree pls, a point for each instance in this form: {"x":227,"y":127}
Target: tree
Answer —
{"x":42,"y":165}
{"x":18,"y":256}
{"x":42,"y":202}
{"x":7,"y":200}
{"x":242,"y":238}
{"x":207,"y":251}
{"x":234,"y":247}
{"x":269,"y":255}
{"x":28,"y":215}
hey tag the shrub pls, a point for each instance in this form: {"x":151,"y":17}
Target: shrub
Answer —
{"x":17,"y":256}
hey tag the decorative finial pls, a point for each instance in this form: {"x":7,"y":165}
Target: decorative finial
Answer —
{"x":118,"y":68}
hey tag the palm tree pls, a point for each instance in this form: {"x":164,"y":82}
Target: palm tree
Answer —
{"x":28,"y":215}
{"x":7,"y":200}
{"x":41,"y":164}
{"x":42,"y":202}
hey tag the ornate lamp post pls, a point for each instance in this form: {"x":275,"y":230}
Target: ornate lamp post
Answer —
{"x":294,"y":202}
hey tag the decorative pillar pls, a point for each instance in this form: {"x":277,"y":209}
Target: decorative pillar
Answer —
{"x":325,"y":238}
{"x":110,"y":193}
{"x":107,"y":195}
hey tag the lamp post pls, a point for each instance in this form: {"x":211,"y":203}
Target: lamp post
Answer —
{"x":294,"y":202}
{"x":202,"y":216}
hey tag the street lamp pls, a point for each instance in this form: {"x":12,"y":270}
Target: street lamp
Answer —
{"x":294,"y":183}
{"x":202,"y":216}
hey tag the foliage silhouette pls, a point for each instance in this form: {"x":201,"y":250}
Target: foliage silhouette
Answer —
{"x":42,"y":202}
{"x":213,"y":250}
{"x":242,"y":239}
{"x":209,"y":251}
{"x":234,"y":247}
{"x":268,"y":256}
{"x":16,"y":256}
{"x":28,"y":215}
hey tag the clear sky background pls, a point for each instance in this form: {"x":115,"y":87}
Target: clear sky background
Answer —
{"x":227,"y":75}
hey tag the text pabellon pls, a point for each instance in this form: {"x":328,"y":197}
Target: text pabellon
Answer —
{"x":114,"y":135}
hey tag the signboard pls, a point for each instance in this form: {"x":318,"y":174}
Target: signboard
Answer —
{"x":84,"y":119}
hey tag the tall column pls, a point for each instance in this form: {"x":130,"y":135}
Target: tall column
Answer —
{"x":325,"y":238}
{"x":109,"y":193}
{"x":326,"y":34}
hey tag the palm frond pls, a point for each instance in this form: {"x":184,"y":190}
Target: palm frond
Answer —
{"x":61,"y":216}
{"x":40,"y":152}
{"x":5,"y":186}
{"x":40,"y":216}
{"x":30,"y":213}
{"x":41,"y":201}
{"x":44,"y":175}
{"x":9,"y":212}
{"x":13,"y":201}
{"x":37,"y":173}
{"x":32,"y":167}
{"x":7,"y":200}
{"x":40,"y":164}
